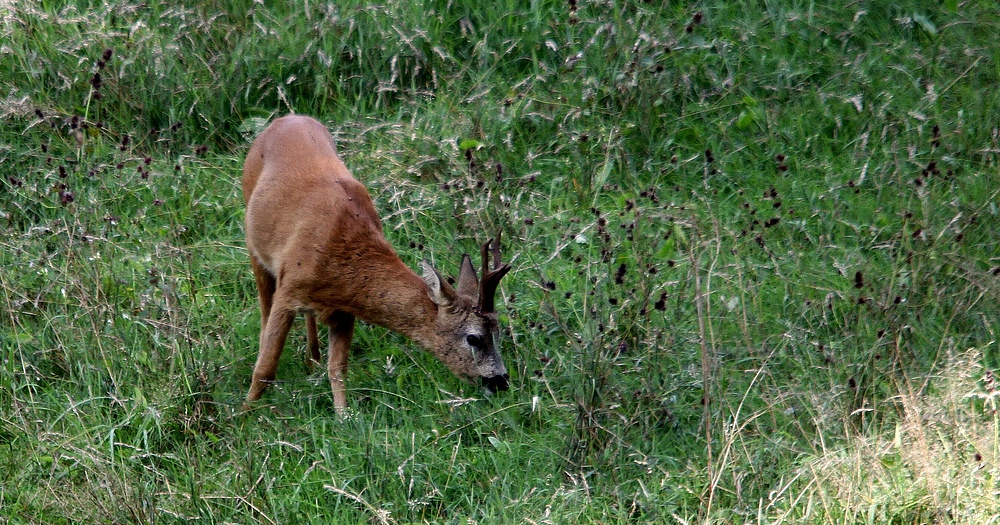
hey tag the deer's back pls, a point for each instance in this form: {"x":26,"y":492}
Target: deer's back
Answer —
{"x":304,"y":208}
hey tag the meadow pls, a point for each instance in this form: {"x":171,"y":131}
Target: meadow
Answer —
{"x":756,"y":271}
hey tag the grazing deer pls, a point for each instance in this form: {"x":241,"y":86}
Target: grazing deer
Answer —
{"x":316,"y":246}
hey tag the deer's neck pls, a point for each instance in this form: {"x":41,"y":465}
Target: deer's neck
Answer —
{"x":399,"y":302}
{"x":386,"y":292}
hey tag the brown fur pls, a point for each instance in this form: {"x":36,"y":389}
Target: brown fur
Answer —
{"x":316,"y":246}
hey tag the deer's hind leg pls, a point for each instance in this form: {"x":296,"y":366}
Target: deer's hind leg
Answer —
{"x":313,"y":359}
{"x":266,"y":285}
{"x":272,"y":342}
{"x":341,"y":333}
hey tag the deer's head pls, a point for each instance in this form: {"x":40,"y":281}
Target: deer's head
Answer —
{"x":467,"y":331}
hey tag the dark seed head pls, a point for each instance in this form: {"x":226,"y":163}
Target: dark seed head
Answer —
{"x":661,"y":303}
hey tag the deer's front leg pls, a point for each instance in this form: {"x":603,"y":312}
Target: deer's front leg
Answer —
{"x":341,"y":332}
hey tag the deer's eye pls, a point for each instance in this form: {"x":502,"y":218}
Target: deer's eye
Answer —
{"x":475,"y":341}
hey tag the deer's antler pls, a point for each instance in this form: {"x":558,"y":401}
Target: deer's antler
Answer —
{"x":491,"y":278}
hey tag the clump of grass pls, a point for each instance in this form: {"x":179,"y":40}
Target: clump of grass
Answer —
{"x":935,"y":463}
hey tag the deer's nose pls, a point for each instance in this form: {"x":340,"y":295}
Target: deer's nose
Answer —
{"x":495,"y":383}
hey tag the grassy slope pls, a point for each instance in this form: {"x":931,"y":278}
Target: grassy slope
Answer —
{"x":755,"y":261}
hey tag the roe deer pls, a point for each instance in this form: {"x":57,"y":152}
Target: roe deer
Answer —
{"x":316,"y":246}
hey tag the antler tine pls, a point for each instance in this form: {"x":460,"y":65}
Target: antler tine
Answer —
{"x":491,"y":278}
{"x":496,"y":251}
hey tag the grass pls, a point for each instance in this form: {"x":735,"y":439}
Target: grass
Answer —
{"x":754,"y":247}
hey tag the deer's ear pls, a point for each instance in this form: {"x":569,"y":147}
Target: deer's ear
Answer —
{"x":437,"y":288}
{"x":468,"y":283}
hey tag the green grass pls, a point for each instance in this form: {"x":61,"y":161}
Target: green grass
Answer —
{"x":755,"y":253}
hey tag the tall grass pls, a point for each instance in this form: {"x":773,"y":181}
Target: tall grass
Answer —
{"x":754,"y":247}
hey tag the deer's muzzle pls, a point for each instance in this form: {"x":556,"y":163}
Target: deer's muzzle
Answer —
{"x":495,"y":383}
